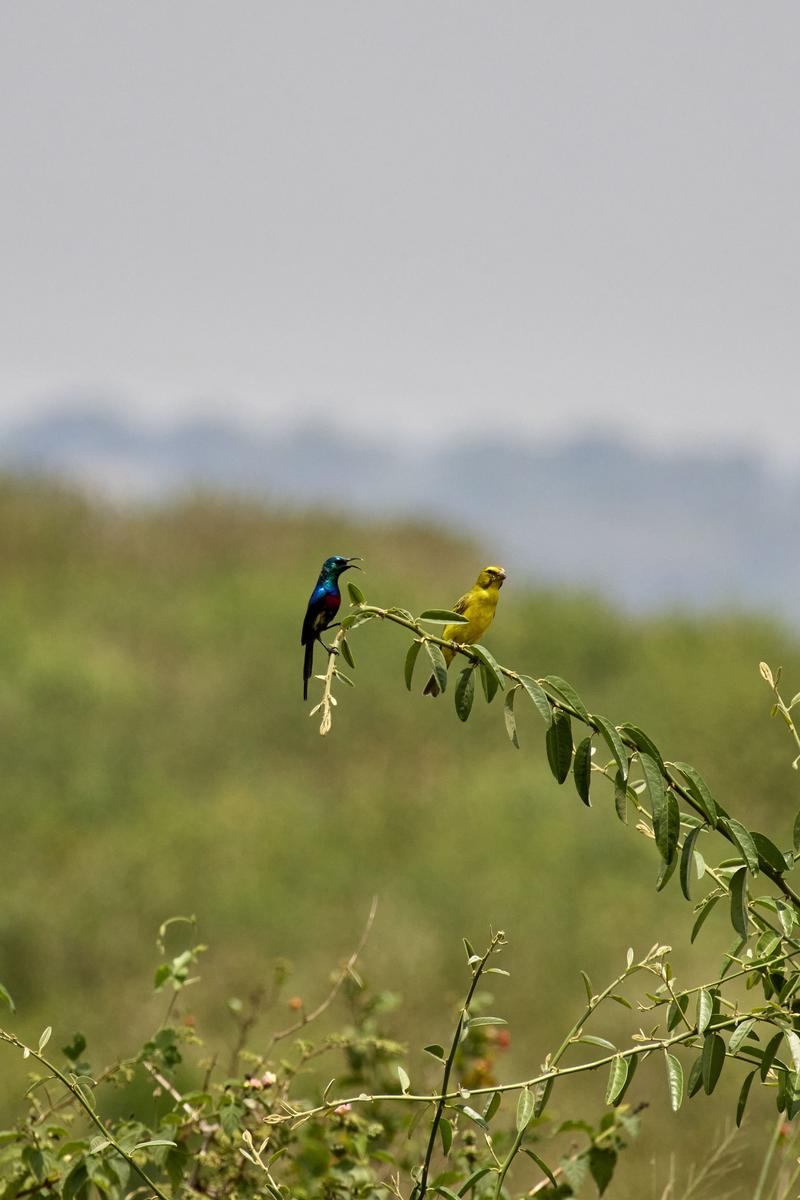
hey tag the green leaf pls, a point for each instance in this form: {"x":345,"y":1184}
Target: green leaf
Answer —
{"x":668,"y":829}
{"x":793,"y":1042}
{"x":508,"y":713}
{"x":713,"y":1061}
{"x":743,"y":840}
{"x":739,"y":1034}
{"x":402,"y":1075}
{"x":152,"y":1142}
{"x":411,"y":659}
{"x":695,"y":1077}
{"x":541,"y":1095}
{"x":621,"y":798}
{"x":587,"y":983}
{"x":698,"y":790}
{"x":436,"y":1051}
{"x":674,"y":1080}
{"x":742,"y":1101}
{"x":474,"y":1116}
{"x":443,"y":616}
{"x":76,"y":1182}
{"x":617,"y":1078}
{"x":75,"y":1049}
{"x":5,"y":996}
{"x":347,"y":653}
{"x":796,"y":832}
{"x":446,"y":1133}
{"x":703,"y":913}
{"x":541,"y":1164}
{"x":356,"y":595}
{"x":769,"y":853}
{"x":642,"y":742}
{"x":440,"y":1189}
{"x":525,"y":1106}
{"x":655,"y":788}
{"x":686,"y":859}
{"x":705,"y":1007}
{"x":665,"y":873}
{"x":558,"y":743}
{"x":45,"y":1037}
{"x":633,"y":1063}
{"x":602,"y":1161}
{"x":768,"y":1057}
{"x":614,"y":743}
{"x":161,"y":976}
{"x":353,"y":620}
{"x":738,"y":890}
{"x":561,"y":690}
{"x":438,"y":664}
{"x":592,"y":1039}
{"x":677,"y":1010}
{"x":465,"y":692}
{"x":574,"y":1171}
{"x":488,"y":683}
{"x":582,"y":770}
{"x":539,"y":697}
{"x":489,"y":662}
{"x":473,"y":1179}
{"x":475,"y":1022}
{"x":666,"y":815}
{"x":785,"y":916}
{"x":492,"y":1106}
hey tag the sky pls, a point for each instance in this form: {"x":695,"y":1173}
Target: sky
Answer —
{"x":423,"y":220}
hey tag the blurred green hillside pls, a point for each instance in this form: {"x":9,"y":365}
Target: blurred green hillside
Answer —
{"x":156,"y":758}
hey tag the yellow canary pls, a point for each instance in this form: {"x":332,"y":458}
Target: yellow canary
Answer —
{"x":478,"y":605}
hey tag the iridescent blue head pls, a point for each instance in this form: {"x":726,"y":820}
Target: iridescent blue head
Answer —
{"x":336,"y":565}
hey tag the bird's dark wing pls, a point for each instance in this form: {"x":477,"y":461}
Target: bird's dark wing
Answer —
{"x":322,"y":608}
{"x":460,"y":605}
{"x":312,"y":615}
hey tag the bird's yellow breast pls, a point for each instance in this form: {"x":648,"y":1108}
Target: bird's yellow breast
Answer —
{"x":479,"y":608}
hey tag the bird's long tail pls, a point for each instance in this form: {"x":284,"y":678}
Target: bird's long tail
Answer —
{"x":308,"y":667}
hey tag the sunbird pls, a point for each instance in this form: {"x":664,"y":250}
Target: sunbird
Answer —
{"x":478,"y":605}
{"x":323,"y":605}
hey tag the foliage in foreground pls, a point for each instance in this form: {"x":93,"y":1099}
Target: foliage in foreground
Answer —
{"x":261,"y":1124}
{"x":271,"y":1129}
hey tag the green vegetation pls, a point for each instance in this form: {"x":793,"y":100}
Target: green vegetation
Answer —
{"x":156,"y":758}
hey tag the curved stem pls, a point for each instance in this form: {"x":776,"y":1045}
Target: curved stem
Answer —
{"x":77,"y":1092}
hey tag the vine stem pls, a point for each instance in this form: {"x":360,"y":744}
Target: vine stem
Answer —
{"x":441,"y":1098}
{"x":498,"y":939}
{"x":397,"y":618}
{"x":77,"y":1092}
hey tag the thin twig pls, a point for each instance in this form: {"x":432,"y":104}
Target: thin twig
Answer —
{"x":328,"y":701}
{"x":346,"y":970}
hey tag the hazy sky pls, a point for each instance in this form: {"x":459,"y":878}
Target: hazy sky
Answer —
{"x":437,"y":215}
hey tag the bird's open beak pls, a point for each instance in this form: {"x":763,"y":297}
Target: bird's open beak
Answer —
{"x":353,"y":561}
